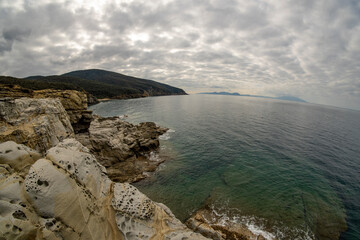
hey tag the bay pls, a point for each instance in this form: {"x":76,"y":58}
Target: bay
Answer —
{"x":286,"y":168}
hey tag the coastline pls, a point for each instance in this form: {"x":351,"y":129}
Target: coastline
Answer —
{"x":201,"y":219}
{"x":185,"y":183}
{"x":59,"y":189}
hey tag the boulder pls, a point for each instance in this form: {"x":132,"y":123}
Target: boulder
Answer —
{"x":67,"y":195}
{"x":37,"y":123}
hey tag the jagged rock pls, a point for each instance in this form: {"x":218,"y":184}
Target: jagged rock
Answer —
{"x":67,"y":195}
{"x":123,"y":147}
{"x":36,"y":123}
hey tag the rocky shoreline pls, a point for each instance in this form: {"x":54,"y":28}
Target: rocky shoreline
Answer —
{"x":30,"y":118}
{"x":54,"y":187}
{"x":65,"y":174}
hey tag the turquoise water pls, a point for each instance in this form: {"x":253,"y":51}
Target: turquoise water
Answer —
{"x":290,"y":169}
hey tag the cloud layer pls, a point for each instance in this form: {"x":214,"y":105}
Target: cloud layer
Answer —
{"x":309,"y":49}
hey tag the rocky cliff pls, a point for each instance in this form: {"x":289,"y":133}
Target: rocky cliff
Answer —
{"x":74,"y":102}
{"x":67,"y":195}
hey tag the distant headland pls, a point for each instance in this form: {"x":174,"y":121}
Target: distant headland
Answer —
{"x":287,"y":98}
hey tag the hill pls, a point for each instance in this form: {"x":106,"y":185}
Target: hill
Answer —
{"x":100,"y":83}
{"x":287,"y":98}
{"x":106,"y":84}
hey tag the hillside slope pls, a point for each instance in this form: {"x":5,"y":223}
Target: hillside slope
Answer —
{"x":106,"y":84}
{"x":100,"y":83}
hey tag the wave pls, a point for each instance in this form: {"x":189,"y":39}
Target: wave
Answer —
{"x":232,"y":218}
{"x":166,"y":136}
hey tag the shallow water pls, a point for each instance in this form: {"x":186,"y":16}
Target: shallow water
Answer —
{"x":290,"y":169}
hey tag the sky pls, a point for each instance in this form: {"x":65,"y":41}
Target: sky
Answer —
{"x":308,"y":49}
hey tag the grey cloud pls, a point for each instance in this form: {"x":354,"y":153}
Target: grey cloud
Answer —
{"x":10,"y":35}
{"x":15,"y":34}
{"x":310,"y":49}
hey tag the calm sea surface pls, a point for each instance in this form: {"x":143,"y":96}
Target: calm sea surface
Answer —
{"x":289,"y":169}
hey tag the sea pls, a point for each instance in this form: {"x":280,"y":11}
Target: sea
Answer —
{"x":284,"y":169}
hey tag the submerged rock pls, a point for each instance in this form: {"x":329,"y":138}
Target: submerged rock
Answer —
{"x":212,"y":225}
{"x":67,"y":195}
{"x":37,"y":123}
{"x":122,"y":147}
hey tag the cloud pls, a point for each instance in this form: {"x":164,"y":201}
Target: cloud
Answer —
{"x":308,"y":49}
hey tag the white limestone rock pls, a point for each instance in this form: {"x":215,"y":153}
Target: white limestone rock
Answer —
{"x":67,"y":195}
{"x":130,"y":201}
{"x":73,"y":157}
{"x":18,"y":220}
{"x":18,"y":157}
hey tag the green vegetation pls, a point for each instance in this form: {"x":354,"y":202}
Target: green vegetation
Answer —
{"x":37,"y":85}
{"x":100,"y":83}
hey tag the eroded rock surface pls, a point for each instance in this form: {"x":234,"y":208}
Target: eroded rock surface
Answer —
{"x":122,"y":147}
{"x":67,"y":195}
{"x":37,"y":123}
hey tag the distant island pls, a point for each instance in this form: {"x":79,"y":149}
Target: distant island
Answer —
{"x":99,"y":83}
{"x":287,"y":98}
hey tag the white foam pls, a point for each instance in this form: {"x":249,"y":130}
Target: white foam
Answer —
{"x":257,"y":231}
{"x":153,"y":156}
{"x":122,"y":117}
{"x":222,"y":218}
{"x":166,"y":136}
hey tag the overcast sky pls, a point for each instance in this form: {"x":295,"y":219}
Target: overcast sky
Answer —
{"x":308,"y":49}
